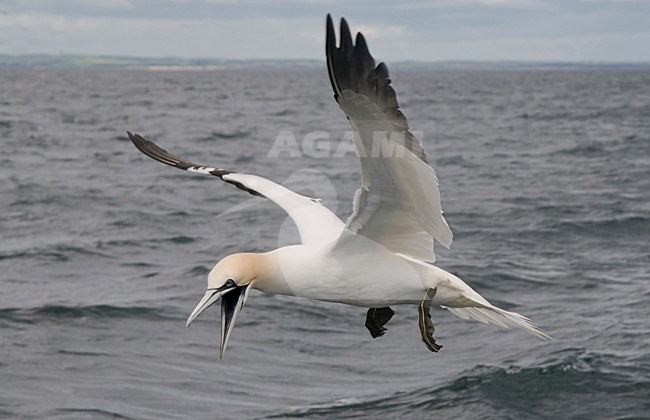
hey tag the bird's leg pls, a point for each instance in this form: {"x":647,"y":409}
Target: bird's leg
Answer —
{"x":376,"y":318}
{"x":426,"y":325}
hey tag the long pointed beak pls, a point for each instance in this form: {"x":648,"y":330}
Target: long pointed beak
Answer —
{"x":211,"y":296}
{"x":232,"y":302}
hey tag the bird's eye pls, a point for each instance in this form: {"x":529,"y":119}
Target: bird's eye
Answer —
{"x":230,"y":283}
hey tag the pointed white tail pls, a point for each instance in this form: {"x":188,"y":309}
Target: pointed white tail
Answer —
{"x":498,"y":316}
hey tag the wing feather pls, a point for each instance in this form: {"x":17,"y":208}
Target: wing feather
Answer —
{"x":315,"y":222}
{"x":398,"y":203}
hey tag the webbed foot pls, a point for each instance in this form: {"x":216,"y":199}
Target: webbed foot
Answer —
{"x":426,"y":325}
{"x":376,"y":318}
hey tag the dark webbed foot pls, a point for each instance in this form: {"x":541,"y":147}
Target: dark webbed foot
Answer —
{"x":426,"y":325}
{"x":376,"y":318}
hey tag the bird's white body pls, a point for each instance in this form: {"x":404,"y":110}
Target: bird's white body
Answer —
{"x":371,"y":277}
{"x":365,"y":274}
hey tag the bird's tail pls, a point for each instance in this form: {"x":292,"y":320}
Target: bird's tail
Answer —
{"x":493,"y":315}
{"x":464,"y":302}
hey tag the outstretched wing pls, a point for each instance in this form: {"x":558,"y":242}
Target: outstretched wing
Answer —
{"x":398,"y":203}
{"x":315,"y":222}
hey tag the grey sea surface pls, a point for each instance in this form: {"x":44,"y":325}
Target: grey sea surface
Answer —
{"x":545,"y":181}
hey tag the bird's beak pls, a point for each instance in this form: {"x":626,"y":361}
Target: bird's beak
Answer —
{"x":233,"y":300}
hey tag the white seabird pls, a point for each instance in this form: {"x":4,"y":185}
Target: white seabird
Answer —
{"x":383,"y":255}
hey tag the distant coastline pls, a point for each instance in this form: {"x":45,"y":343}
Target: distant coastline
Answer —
{"x":63,"y":61}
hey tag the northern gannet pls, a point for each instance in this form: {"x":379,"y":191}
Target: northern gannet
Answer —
{"x":383,"y":255}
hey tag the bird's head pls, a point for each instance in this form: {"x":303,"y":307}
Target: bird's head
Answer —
{"x":231,"y":280}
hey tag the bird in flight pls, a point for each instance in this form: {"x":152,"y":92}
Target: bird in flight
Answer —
{"x":382,"y":255}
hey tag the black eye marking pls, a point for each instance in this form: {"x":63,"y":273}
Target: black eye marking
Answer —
{"x":230,"y":283}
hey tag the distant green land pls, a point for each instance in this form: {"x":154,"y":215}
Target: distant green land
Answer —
{"x":118,"y":62}
{"x":39,"y":61}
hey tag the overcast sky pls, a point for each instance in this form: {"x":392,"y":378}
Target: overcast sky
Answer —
{"x":571,"y":30}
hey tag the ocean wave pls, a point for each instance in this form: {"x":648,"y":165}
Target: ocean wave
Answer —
{"x":284,"y":113}
{"x":74,"y":413}
{"x":622,"y":225}
{"x":226,"y":134}
{"x":565,"y":388}
{"x":583,"y":150}
{"x":57,"y":253}
{"x":59,"y":312}
{"x":145,"y":242}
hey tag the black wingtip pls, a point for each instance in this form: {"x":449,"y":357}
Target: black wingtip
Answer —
{"x":140,"y":142}
{"x":346,"y":37}
{"x":351,"y":67}
{"x":135,"y":138}
{"x":154,"y":151}
{"x":361,"y":44}
{"x":331,"y":54}
{"x":330,"y":36}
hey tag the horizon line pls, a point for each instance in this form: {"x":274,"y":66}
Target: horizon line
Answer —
{"x":64,"y":60}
